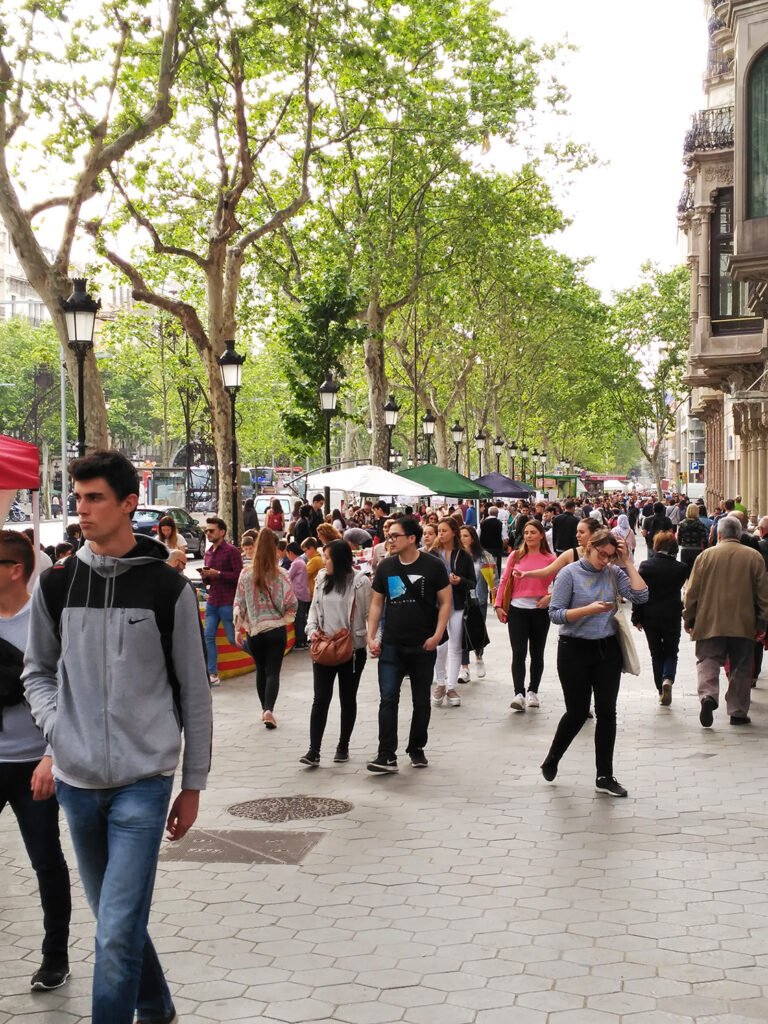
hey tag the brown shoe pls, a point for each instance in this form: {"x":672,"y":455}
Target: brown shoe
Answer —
{"x":269,"y":720}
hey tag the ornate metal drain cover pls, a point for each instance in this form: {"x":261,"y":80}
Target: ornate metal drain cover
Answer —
{"x":290,"y":808}
{"x":239,"y":846}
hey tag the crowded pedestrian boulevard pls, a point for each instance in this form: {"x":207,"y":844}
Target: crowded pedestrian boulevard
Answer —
{"x":471,"y":893}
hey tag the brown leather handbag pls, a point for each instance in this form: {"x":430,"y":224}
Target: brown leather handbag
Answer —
{"x":331,"y":650}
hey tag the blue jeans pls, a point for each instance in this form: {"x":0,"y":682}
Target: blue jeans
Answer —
{"x":116,"y":834}
{"x":394,"y":664}
{"x":215,"y":613}
{"x":39,"y":826}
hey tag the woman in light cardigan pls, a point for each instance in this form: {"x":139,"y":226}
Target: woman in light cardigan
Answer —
{"x":584,"y":604}
{"x":264,"y":604}
{"x":341,"y":600}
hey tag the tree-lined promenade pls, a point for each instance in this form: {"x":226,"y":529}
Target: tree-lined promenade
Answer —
{"x":331,"y":186}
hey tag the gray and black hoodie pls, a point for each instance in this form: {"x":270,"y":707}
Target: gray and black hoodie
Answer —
{"x":114,"y":665}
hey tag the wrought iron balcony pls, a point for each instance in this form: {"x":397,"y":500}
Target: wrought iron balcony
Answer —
{"x":718,"y":63}
{"x":715,"y":23}
{"x":685,"y":203}
{"x":710,"y":129}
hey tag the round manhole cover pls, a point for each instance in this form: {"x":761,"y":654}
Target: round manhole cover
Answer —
{"x":290,"y":808}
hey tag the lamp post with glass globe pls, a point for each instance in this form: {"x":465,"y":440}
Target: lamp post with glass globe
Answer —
{"x":80,"y":314}
{"x":498,"y":448}
{"x":480,"y":440}
{"x":523,"y":456}
{"x":535,"y":461}
{"x":428,"y":429}
{"x":231,"y":366}
{"x":513,"y":455}
{"x":457,"y":433}
{"x":391,"y":410}
{"x":328,"y":390}
{"x":542,"y":463}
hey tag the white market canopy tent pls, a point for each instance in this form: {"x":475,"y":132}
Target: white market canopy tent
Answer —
{"x":614,"y":485}
{"x":370,"y":480}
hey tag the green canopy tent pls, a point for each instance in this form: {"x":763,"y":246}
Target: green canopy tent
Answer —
{"x":446,"y":482}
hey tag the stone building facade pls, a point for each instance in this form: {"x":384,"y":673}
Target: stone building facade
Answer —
{"x":726,"y":187}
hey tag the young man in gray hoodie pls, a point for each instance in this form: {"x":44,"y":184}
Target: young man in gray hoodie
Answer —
{"x":114,"y":671}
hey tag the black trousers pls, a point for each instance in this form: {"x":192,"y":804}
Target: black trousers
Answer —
{"x":267,"y":650}
{"x":584,"y":667}
{"x":300,"y":622}
{"x":528,"y":628}
{"x":349,"y":680}
{"x":39,"y":826}
{"x":663,"y":643}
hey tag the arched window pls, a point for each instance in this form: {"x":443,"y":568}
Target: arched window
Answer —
{"x":757,"y":138}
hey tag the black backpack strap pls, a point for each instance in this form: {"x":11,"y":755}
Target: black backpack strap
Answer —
{"x":55,"y":587}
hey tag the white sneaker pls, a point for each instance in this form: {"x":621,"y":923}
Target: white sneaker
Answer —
{"x":463,"y":676}
{"x":533,"y":699}
{"x":518,"y":702}
{"x":480,"y":668}
{"x":454,"y":700}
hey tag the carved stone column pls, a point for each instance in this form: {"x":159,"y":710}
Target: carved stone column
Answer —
{"x":703,"y":216}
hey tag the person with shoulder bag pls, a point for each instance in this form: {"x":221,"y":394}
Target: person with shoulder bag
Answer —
{"x":276,"y":518}
{"x":336,"y":628}
{"x":692,"y":536}
{"x":589,"y":654}
{"x":264,"y":604}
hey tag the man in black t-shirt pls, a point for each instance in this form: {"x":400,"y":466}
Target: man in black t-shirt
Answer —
{"x":414,"y":588}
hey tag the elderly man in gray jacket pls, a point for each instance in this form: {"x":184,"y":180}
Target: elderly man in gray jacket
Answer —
{"x":725,"y":611}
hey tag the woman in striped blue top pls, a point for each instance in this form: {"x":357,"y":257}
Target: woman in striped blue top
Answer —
{"x":584,"y":603}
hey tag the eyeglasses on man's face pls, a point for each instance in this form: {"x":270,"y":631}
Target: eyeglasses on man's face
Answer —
{"x":394,"y":536}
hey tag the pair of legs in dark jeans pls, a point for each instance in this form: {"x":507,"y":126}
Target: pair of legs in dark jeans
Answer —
{"x":528,"y":629}
{"x":267,"y":650}
{"x":349,"y":679}
{"x":663,"y":643}
{"x":300,"y":623}
{"x":585,"y":666}
{"x":394,"y":664}
{"x":39,"y":826}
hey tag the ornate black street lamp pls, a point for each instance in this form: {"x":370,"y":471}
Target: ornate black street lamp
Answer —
{"x":391,"y":410}
{"x":543,"y":462}
{"x":329,"y":390}
{"x":80,"y":314}
{"x":513,"y":455}
{"x":231,"y":366}
{"x":498,"y":448}
{"x":480,"y":440}
{"x":457,"y":433}
{"x":428,"y":429}
{"x":523,"y":456}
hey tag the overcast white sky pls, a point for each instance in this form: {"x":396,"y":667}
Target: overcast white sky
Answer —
{"x":634,"y":83}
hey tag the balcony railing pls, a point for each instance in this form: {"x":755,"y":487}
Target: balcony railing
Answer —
{"x":718,"y":63}
{"x":685,"y":203}
{"x":710,"y":129}
{"x":715,"y":23}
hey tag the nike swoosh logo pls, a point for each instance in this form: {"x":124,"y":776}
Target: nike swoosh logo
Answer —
{"x":133,"y":622}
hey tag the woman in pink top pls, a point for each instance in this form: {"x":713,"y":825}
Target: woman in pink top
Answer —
{"x":522,"y":604}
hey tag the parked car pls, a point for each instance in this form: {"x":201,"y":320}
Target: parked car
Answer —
{"x":146,"y":517}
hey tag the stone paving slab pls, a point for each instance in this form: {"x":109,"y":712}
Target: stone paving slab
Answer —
{"x":469,"y":893}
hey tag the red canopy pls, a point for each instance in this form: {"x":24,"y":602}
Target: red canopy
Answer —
{"x":19,"y":465}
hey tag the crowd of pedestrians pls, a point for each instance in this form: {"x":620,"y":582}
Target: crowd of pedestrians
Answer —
{"x":106,"y":666}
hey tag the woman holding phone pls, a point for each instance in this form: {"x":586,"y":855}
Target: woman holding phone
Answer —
{"x":584,"y":604}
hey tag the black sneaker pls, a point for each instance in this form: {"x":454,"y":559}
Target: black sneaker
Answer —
{"x":311,"y":759}
{"x":418,"y":760}
{"x":382,"y":765}
{"x":52,"y":973}
{"x":172,"y":1018}
{"x":341,"y":755}
{"x":741,"y":720}
{"x":607,"y":784}
{"x":708,"y":707}
{"x":549,"y":770}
